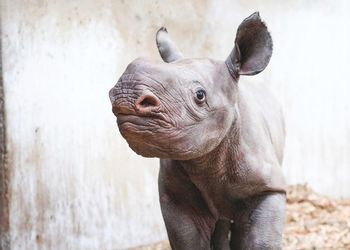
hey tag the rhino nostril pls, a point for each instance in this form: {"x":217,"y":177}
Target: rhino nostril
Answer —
{"x":147,"y":101}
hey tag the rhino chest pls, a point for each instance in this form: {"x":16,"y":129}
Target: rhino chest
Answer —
{"x":221,"y":196}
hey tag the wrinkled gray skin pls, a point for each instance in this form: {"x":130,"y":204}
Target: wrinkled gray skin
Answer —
{"x":220,"y":181}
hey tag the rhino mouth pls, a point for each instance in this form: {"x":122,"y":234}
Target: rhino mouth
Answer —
{"x":139,"y":123}
{"x":132,"y":120}
{"x":145,"y":134}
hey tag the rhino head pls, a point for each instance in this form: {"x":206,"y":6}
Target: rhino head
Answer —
{"x":182,"y":108}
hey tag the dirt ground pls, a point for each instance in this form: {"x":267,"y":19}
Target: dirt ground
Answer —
{"x":313,"y":222}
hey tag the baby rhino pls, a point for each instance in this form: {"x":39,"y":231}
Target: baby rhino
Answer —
{"x":220,"y":143}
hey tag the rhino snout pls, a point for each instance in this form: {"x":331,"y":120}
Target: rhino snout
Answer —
{"x":142,"y":104}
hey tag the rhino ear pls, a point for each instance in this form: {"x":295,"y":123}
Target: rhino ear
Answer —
{"x":166,"y":47}
{"x":253,"y":48}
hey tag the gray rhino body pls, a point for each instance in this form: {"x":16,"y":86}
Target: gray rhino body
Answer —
{"x":220,"y":143}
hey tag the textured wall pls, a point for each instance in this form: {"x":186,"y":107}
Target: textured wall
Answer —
{"x":4,"y":171}
{"x":74,"y":183}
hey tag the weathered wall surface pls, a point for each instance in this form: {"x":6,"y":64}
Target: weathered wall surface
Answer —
{"x":74,"y":184}
{"x":4,"y":173}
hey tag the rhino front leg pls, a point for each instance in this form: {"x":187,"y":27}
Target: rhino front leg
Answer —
{"x":260,"y":225}
{"x":186,"y":231}
{"x":187,"y":218}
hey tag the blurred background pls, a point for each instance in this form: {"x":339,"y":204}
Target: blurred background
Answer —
{"x":68,"y":179}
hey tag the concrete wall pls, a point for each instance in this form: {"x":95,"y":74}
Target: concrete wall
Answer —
{"x":73,"y":181}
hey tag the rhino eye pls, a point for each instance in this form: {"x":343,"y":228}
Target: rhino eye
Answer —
{"x":200,"y":96}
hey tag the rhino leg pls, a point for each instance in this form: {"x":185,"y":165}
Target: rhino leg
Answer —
{"x":260,"y":224}
{"x":188,"y":221}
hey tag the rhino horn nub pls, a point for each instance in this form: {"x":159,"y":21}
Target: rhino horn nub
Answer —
{"x":166,"y":47}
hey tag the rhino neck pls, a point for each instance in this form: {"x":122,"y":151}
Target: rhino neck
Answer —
{"x":224,"y":160}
